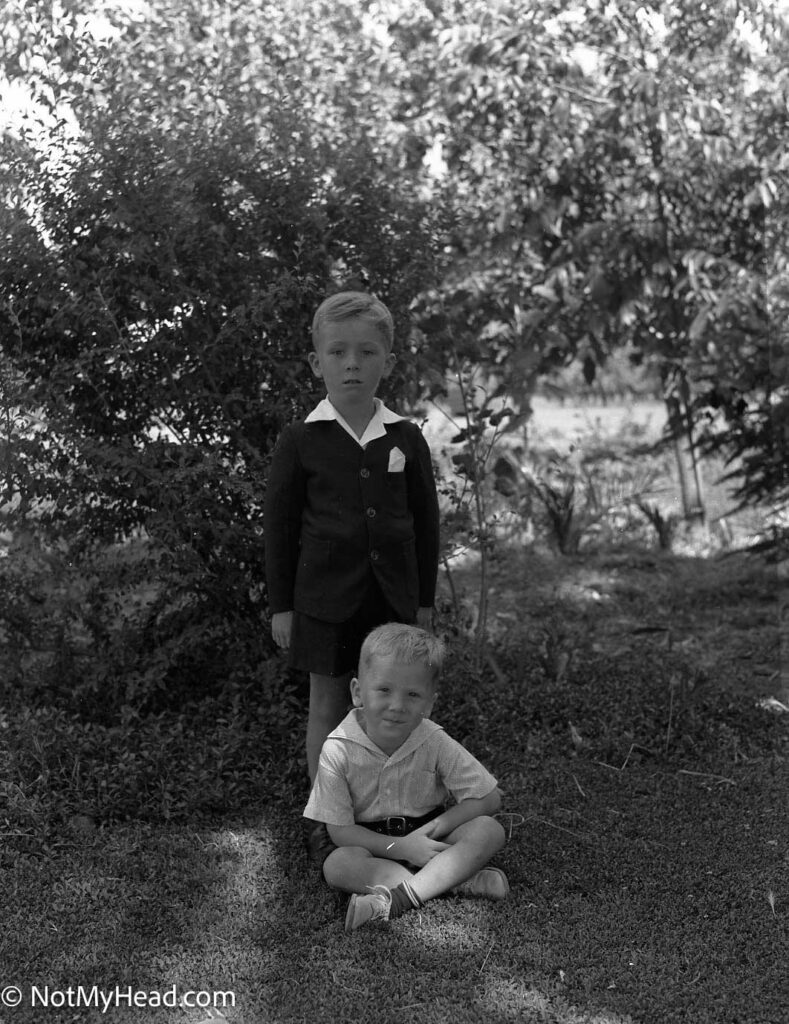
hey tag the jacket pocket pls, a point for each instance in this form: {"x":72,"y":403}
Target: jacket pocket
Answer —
{"x":397,"y":494}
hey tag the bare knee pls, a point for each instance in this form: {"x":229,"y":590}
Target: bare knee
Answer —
{"x":484,"y":831}
{"x":343,"y":865}
{"x":355,"y":869}
{"x":498,"y":835}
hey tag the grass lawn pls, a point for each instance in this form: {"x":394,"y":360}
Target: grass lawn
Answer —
{"x":648,"y":856}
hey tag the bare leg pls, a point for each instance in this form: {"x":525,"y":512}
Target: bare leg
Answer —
{"x":329,"y":700}
{"x":354,"y":869}
{"x":472,"y":845}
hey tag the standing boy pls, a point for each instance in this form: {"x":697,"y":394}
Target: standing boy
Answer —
{"x":351,"y":514}
{"x":384,"y":778}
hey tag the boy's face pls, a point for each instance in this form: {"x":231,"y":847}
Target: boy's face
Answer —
{"x":395,"y":697}
{"x":351,"y":358}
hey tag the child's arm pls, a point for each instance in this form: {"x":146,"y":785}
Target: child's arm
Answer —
{"x":459,"y":813}
{"x":423,"y":503}
{"x":281,"y":628}
{"x":416,"y":848}
{"x":283,"y":506}
{"x":423,"y":843}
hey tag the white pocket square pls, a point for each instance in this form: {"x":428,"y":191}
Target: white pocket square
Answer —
{"x":396,"y":461}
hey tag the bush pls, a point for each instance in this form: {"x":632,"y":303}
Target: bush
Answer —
{"x":156,"y":292}
{"x":553,"y":694}
{"x":95,"y":629}
{"x":212,"y":757}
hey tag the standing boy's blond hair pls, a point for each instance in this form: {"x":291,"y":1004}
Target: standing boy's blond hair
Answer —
{"x":349,"y":305}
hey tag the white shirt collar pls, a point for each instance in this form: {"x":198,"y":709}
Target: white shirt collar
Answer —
{"x":324,"y":410}
{"x":351,"y":729}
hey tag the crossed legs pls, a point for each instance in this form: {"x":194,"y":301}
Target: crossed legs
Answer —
{"x":355,"y":870}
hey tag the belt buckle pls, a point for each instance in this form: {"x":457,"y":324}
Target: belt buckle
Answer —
{"x":396,"y":825}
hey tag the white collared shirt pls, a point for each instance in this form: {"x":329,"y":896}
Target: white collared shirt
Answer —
{"x":357,"y":781}
{"x":324,"y":410}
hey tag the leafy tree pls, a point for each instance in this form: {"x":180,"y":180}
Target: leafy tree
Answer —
{"x":743,"y":397}
{"x":612,"y":164}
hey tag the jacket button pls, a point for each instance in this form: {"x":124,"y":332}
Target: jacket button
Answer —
{"x":374,"y":555}
{"x":371,"y":513}
{"x":364,"y":473}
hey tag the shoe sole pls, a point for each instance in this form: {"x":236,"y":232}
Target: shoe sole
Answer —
{"x":351,"y":924}
{"x":350,"y":914}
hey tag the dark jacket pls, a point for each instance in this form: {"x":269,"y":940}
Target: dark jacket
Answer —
{"x":333,"y":511}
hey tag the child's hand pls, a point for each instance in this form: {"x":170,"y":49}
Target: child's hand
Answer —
{"x":429,"y":830}
{"x":281,"y":626}
{"x":416,"y":849}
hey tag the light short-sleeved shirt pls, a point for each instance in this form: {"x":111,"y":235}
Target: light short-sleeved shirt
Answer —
{"x":324,"y":410}
{"x":356,"y":781}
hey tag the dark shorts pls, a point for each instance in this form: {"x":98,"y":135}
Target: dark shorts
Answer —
{"x":332,"y":648}
{"x":320,"y":845}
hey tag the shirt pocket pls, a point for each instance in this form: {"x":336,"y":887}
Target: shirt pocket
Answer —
{"x":424,"y":790}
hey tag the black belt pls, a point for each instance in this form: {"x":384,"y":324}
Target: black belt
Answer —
{"x":399,"y":824}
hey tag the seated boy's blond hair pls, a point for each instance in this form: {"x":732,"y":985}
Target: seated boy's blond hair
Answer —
{"x":409,"y":645}
{"x":346,"y":306}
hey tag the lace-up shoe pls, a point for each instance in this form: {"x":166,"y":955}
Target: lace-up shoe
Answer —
{"x":372,"y":906}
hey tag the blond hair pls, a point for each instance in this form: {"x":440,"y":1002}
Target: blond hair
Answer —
{"x":347,"y":306}
{"x":409,"y":645}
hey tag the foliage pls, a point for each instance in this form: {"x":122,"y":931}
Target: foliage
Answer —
{"x":587,"y":490}
{"x":156,"y":287}
{"x":179,"y":765}
{"x":615,"y":167}
{"x":469,"y":520}
{"x":665,"y":523}
{"x":527,"y":189}
{"x":743,"y":409}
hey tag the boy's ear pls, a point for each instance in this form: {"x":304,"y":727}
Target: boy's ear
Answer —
{"x":391,"y":359}
{"x":315,"y":363}
{"x":356,"y":692}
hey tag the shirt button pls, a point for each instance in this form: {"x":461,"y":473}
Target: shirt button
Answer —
{"x":374,"y":555}
{"x":371,"y":513}
{"x":364,"y":474}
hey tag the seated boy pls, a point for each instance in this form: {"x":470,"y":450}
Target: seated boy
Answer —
{"x":384,"y":776}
